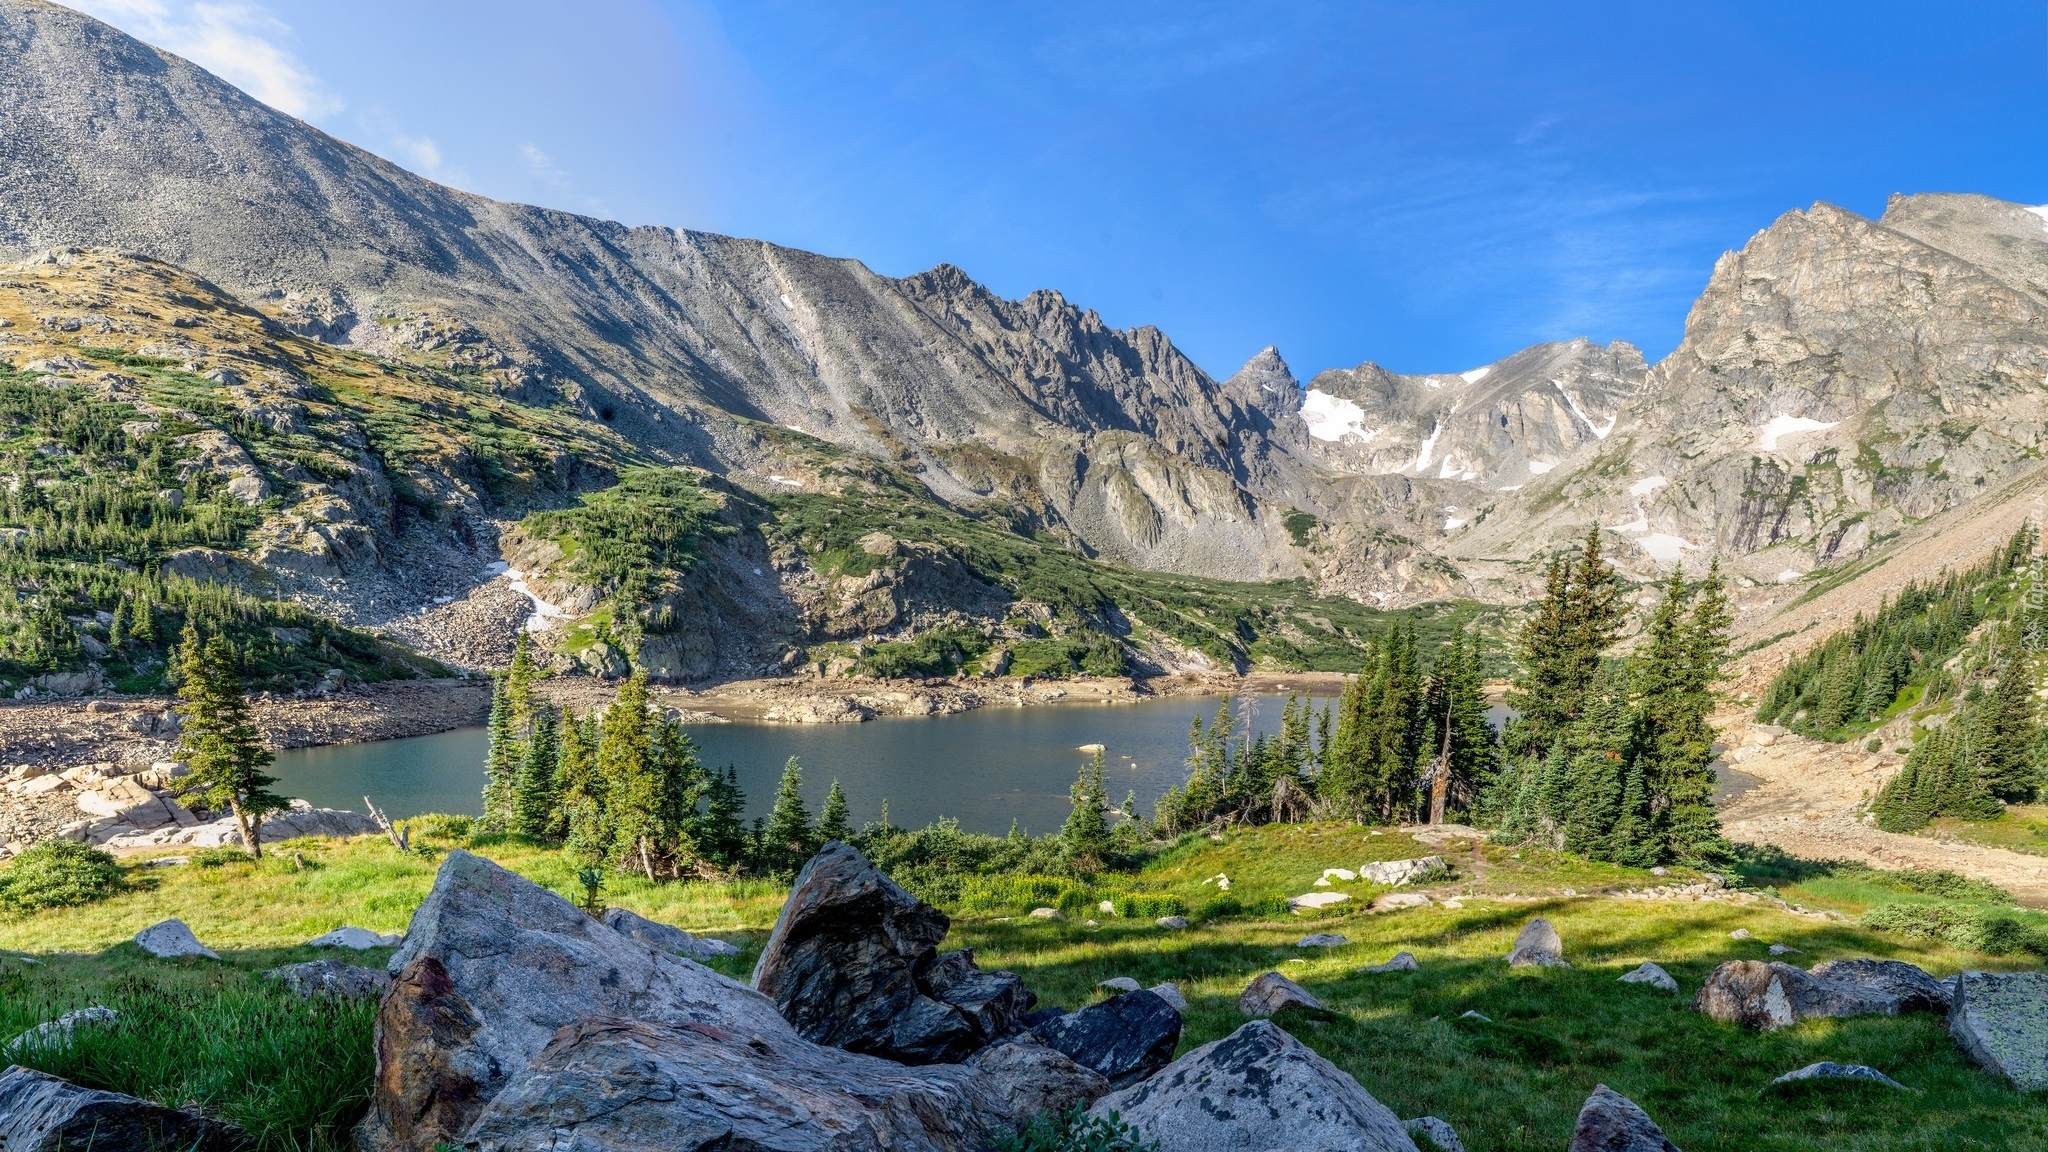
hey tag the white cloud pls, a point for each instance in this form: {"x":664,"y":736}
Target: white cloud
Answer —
{"x":241,"y":43}
{"x":541,"y":164}
{"x":420,"y":152}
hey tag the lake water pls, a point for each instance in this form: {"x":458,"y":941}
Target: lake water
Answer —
{"x":983,"y":768}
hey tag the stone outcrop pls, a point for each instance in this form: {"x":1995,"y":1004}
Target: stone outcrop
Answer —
{"x":1434,"y":1132}
{"x":1906,"y":984}
{"x":41,"y":1113}
{"x":1611,"y":1122}
{"x":1537,"y":945}
{"x":853,"y":962}
{"x":698,"y":948}
{"x":1122,"y":1039}
{"x":2000,"y":1020}
{"x":1771,"y":995}
{"x":1269,"y":992}
{"x":1394,"y":873}
{"x":1257,"y":1088}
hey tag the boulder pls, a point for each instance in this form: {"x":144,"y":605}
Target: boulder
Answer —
{"x":1269,"y":992}
{"x":331,"y":979}
{"x":1611,"y":1122}
{"x":1653,"y":975}
{"x":2000,"y":1020}
{"x":654,"y":935}
{"x":1394,"y":873}
{"x":1537,"y":945}
{"x":1395,"y":901}
{"x":1437,"y":1132}
{"x":1401,"y":962}
{"x":1316,"y":900}
{"x":848,"y":960}
{"x":1122,"y":1039}
{"x":1908,"y":984}
{"x":1257,"y":1088}
{"x":41,"y":1113}
{"x":1176,"y":923}
{"x":1829,"y":1070}
{"x":1046,"y":914}
{"x":1322,"y":940}
{"x":172,"y":938}
{"x":492,"y":966}
{"x":1770,"y":995}
{"x":1170,"y":992}
{"x":609,"y":1083}
{"x":57,"y":1033}
{"x":1033,"y":1079}
{"x":359,"y":939}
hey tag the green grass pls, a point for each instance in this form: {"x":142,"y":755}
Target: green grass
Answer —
{"x":2021,"y":828}
{"x":1514,"y":1085}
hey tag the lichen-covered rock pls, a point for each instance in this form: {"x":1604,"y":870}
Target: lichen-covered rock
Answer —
{"x":852,"y":963}
{"x":42,"y":1113}
{"x":1257,"y":1088}
{"x":1269,"y":992}
{"x":631,"y":1084}
{"x":1033,"y":1079}
{"x":331,"y":979}
{"x":698,"y":948}
{"x":1436,"y":1131}
{"x":1767,"y":996}
{"x":2000,"y":1020}
{"x":1537,"y":945}
{"x":1611,"y":1122}
{"x":1322,"y":940}
{"x":1910,"y":986}
{"x":1122,"y":1039}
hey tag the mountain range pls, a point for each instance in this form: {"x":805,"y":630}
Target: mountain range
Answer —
{"x":1841,"y":384}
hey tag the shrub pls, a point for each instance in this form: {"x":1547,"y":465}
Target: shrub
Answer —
{"x":58,"y":874}
{"x":1976,"y":928}
{"x":1075,"y":1131}
{"x":1150,"y":905}
{"x":1220,"y":908}
{"x":441,"y":826}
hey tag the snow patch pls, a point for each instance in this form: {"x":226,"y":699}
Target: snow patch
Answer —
{"x":1331,"y":418}
{"x":1665,"y":548}
{"x":1640,"y":524}
{"x":1475,"y":375}
{"x":1509,"y":488}
{"x":1782,"y":426}
{"x":2042,"y":212}
{"x":1452,"y":523}
{"x":785,"y":481}
{"x":1539,"y":467}
{"x":544,"y":614}
{"x":1647,"y":485}
{"x":1789,"y":575}
{"x":1428,"y":445}
{"x":786,"y":303}
{"x":1599,"y":431}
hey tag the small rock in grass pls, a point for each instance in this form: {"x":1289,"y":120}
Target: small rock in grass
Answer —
{"x":1611,"y":1122}
{"x":1108,"y":907}
{"x":1660,"y":870}
{"x":1170,"y":992}
{"x":1046,"y":914}
{"x":1473,"y":1014}
{"x":172,"y":939}
{"x":1394,"y":873}
{"x":1174,"y":922}
{"x":1120,"y":984}
{"x":1785,"y":950}
{"x":57,"y":1033}
{"x":1653,"y":975}
{"x":1454,"y":903}
{"x":1322,"y":940}
{"x":1435,"y":1131}
{"x":1829,"y":1070}
{"x":358,"y":939}
{"x":1740,"y":934}
{"x":331,"y":979}
{"x":1316,"y":900}
{"x":1402,"y":962}
{"x":1396,"y":901}
{"x":1538,"y":946}
{"x":1768,"y":996}
{"x":1269,"y":992}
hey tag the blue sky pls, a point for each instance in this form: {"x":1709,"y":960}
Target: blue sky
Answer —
{"x":1427,"y":185}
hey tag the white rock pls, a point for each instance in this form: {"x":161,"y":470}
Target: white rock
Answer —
{"x":1316,"y":900}
{"x":1437,"y":1132}
{"x":1652,"y":975}
{"x":1402,"y":962}
{"x":1120,"y":984}
{"x":1395,"y":901}
{"x":356,"y":938}
{"x":1170,"y":992}
{"x":172,"y":938}
{"x":1046,"y":914}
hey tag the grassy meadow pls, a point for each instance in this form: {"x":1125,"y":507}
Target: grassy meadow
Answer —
{"x":297,"y":1074}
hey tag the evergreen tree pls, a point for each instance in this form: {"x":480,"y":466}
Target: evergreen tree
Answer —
{"x":833,"y":821}
{"x":1086,"y":833}
{"x":537,"y":793}
{"x":788,"y":839}
{"x":636,"y":791}
{"x":501,"y":758}
{"x":223,"y":752}
{"x":720,"y":831}
{"x":2005,"y":729}
{"x":520,"y":678}
{"x":1562,"y":645}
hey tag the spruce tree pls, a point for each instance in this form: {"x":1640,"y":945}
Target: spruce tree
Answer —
{"x":1562,"y":644}
{"x":720,"y":831}
{"x":788,"y":838}
{"x":2005,"y":729}
{"x":634,"y":788}
{"x":537,"y":793}
{"x":1085,"y":835}
{"x":501,"y":758}
{"x":833,"y":821}
{"x":223,"y":752}
{"x":520,"y":679}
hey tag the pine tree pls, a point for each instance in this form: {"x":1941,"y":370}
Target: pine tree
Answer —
{"x":501,"y":763}
{"x":720,"y":831}
{"x":223,"y":752}
{"x":833,"y":821}
{"x":2005,"y":729}
{"x":1086,"y":833}
{"x":1562,"y":645}
{"x":537,"y":793}
{"x":788,"y":839}
{"x":520,"y":678}
{"x":634,"y":787}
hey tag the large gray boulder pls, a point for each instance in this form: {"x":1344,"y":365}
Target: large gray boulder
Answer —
{"x":41,"y":1113}
{"x":629,"y":1084}
{"x":657,"y":935}
{"x":331,"y":979}
{"x":1771,"y":995}
{"x":1537,"y":945}
{"x":492,"y":966}
{"x":1394,"y":873}
{"x":851,"y":962}
{"x":1122,"y":1039}
{"x":1908,"y":985}
{"x":1611,"y":1122}
{"x":1257,"y":1088}
{"x":2000,"y":1020}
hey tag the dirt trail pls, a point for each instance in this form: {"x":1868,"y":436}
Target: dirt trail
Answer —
{"x":1808,"y":804}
